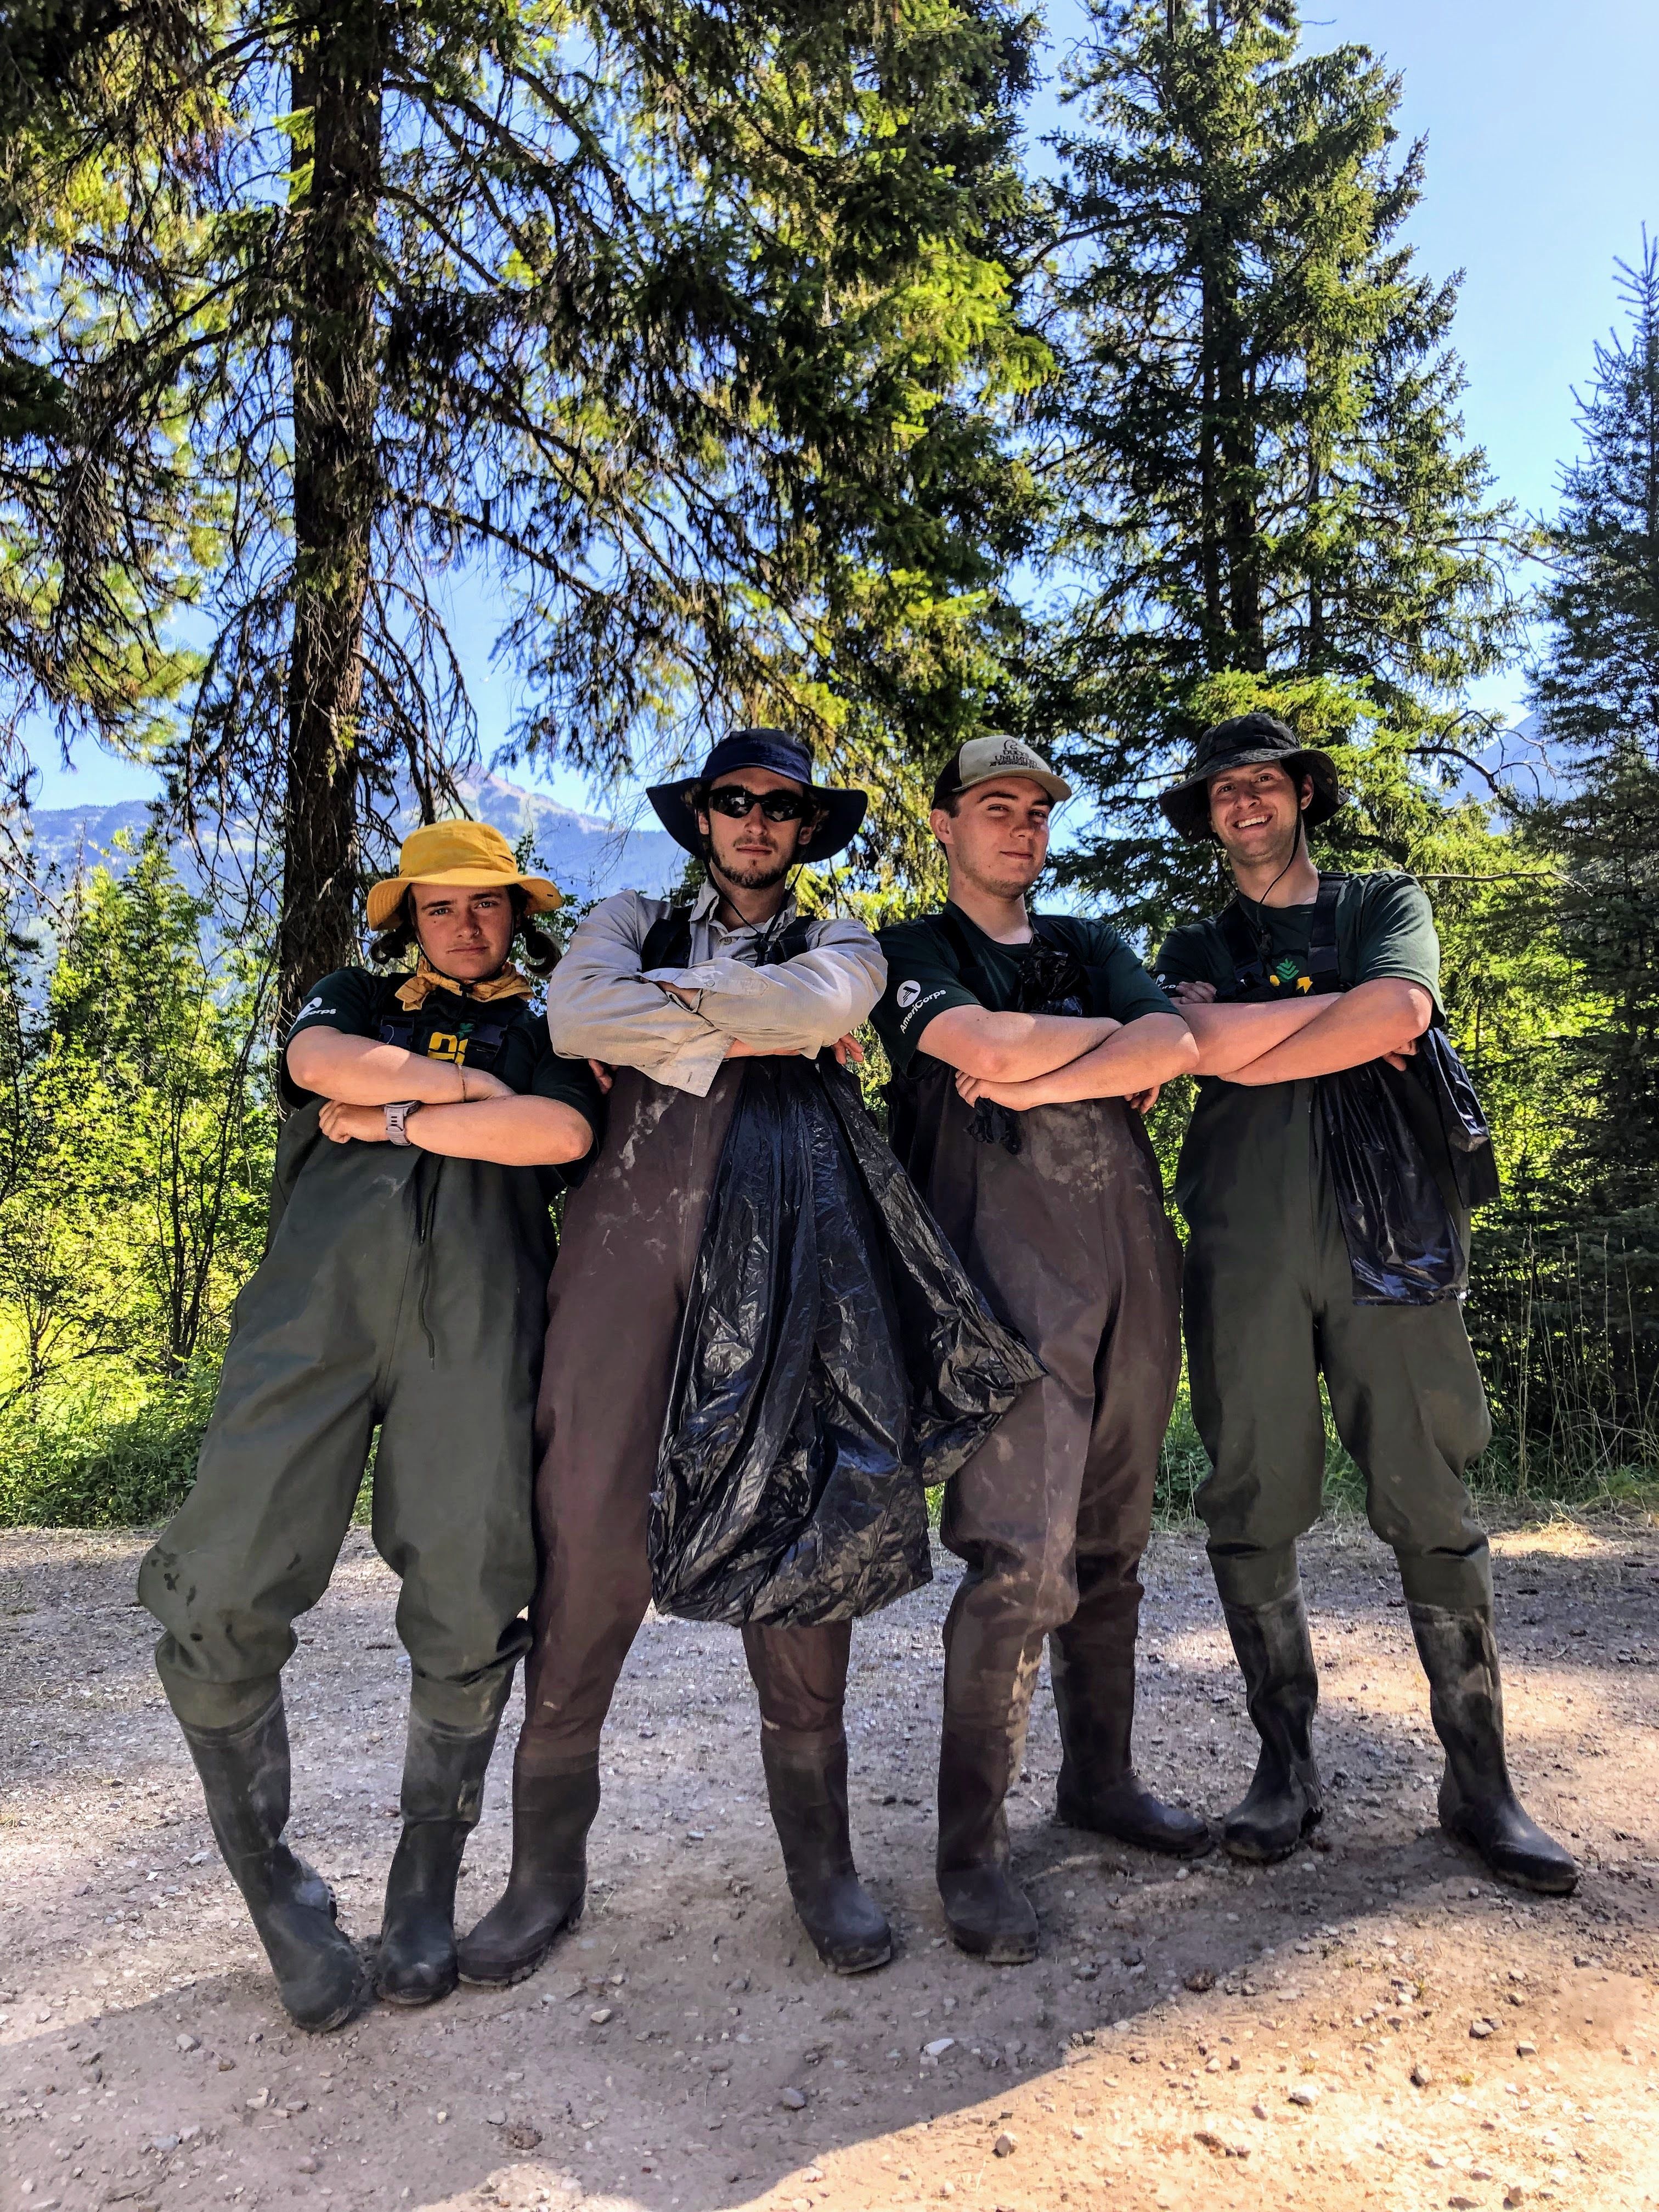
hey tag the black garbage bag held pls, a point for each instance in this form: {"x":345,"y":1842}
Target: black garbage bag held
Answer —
{"x":834,"y":1358}
{"x":1403,"y":1245}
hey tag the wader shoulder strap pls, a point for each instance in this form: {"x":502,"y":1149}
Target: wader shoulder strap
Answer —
{"x":1250,"y":972}
{"x":483,"y":1037}
{"x":668,"y":941}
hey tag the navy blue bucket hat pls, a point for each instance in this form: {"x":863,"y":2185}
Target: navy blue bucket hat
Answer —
{"x":840,"y":811}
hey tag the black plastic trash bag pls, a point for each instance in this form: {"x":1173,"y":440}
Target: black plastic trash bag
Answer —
{"x":834,"y":1358}
{"x":1440,"y":1070}
{"x":1403,"y":1245}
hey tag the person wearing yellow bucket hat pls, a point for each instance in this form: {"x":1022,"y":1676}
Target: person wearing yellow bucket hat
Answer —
{"x":402,"y":1294}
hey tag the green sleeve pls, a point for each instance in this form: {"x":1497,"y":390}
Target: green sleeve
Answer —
{"x":1183,"y":958}
{"x":1397,"y":935}
{"x":347,"y":1001}
{"x":572,"y":1083}
{"x":1131,"y":992}
{"x":922,"y":981}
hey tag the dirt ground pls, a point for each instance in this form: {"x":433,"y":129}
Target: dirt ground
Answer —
{"x":1373,"y":2023}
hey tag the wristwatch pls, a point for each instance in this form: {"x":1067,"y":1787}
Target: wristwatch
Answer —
{"x":397,"y":1119}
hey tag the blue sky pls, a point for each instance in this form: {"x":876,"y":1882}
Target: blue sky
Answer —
{"x":1543,"y":165}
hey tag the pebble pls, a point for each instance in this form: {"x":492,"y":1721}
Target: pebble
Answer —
{"x":599,"y":2016}
{"x":188,"y":2042}
{"x":307,"y":2165}
{"x":1304,"y":2094}
{"x":1526,"y":2050}
{"x":793,"y":2100}
{"x":1480,"y":2029}
{"x":495,"y":2120}
{"x":1421,"y":2076}
{"x":1480,"y":2173}
{"x":1005,"y":2145}
{"x":939,"y":2046}
{"x":1259,"y":2109}
{"x":164,"y":2142}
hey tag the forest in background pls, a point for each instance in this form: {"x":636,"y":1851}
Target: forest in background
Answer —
{"x":765,"y":371}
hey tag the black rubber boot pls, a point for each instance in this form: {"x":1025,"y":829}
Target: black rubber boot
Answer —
{"x":1098,"y":1788}
{"x":807,"y":1789}
{"x":442,"y":1797}
{"x":553,"y":1809}
{"x":1281,"y":1685}
{"x":989,"y":1915}
{"x":1477,"y":1804}
{"x":245,"y":1778}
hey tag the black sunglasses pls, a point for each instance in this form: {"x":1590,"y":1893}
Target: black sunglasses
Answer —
{"x":732,"y":799}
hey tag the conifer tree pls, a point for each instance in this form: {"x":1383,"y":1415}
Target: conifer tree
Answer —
{"x":1264,"y":494}
{"x":1596,"y":692}
{"x":684,"y":322}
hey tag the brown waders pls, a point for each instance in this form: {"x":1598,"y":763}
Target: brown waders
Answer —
{"x":1069,"y":1241}
{"x":629,"y":1246}
{"x":404,"y":1292}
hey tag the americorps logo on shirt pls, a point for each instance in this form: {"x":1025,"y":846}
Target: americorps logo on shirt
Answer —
{"x":310,"y":1007}
{"x":908,"y":993}
{"x":917,"y":1004}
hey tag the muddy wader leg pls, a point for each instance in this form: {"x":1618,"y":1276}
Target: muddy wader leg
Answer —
{"x":1281,"y":1689}
{"x":245,"y":1779}
{"x":1253,"y":1361}
{"x":630,"y":1248}
{"x":801,"y":1676}
{"x":1478,"y":1804}
{"x":1091,"y":1657}
{"x":442,"y":1797}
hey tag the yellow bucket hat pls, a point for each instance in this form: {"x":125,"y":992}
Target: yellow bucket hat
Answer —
{"x":471,"y":853}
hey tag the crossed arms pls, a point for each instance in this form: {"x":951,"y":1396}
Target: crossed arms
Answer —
{"x":679,"y":1026}
{"x":1021,"y":1061}
{"x":467,"y":1114}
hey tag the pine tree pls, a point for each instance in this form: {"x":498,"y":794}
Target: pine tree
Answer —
{"x":1596,"y":692}
{"x":96,"y":508}
{"x":1264,"y":494}
{"x":685,"y":322}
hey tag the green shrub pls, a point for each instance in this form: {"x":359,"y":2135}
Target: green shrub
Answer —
{"x":68,"y":1460}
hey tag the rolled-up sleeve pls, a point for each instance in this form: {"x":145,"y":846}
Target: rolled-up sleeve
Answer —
{"x":599,"y":1007}
{"x":789,"y":1006}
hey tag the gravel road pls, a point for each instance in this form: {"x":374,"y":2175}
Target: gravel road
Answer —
{"x":1372,"y":2024}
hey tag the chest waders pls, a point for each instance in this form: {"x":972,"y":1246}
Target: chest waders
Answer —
{"x":1063,"y":1230}
{"x":400,"y":1292}
{"x":629,"y":1252}
{"x":1269,"y":1310}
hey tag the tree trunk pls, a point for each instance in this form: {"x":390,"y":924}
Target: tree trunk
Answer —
{"x":336,"y":491}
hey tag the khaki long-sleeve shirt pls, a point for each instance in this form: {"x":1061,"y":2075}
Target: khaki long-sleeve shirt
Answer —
{"x":675,"y":1024}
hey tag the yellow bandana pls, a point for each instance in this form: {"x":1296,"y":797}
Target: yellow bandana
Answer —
{"x":413,"y":994}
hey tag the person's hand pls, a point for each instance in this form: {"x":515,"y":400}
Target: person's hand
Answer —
{"x":1401,"y":1059}
{"x":1016,"y":1096}
{"x":341,"y":1123}
{"x":1143,"y":1102}
{"x":846,"y":1048}
{"x":739,"y":1050}
{"x":603,"y":1075}
{"x":476,"y":1083}
{"x":1193,"y":993}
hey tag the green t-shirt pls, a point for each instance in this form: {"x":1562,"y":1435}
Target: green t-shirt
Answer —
{"x":445,"y":1027}
{"x":1384,"y":927}
{"x":925,"y":975}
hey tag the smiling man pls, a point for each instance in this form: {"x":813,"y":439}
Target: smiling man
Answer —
{"x":674,"y":999}
{"x":1270,"y":1302}
{"x":1018,"y":1042}
{"x":402,"y":1288}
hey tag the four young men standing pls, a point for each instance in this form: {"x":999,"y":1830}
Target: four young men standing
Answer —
{"x":1025,"y":1048}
